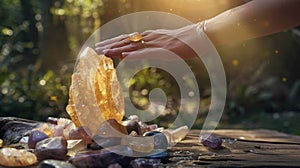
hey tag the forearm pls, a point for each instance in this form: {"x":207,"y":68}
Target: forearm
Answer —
{"x":254,"y":19}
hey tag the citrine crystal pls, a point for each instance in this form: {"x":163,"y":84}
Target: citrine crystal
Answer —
{"x":95,"y":93}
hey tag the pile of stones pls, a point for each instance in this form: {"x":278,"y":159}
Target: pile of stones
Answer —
{"x":59,"y":143}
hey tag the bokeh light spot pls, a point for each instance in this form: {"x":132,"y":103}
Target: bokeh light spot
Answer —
{"x":43,"y":82}
{"x":235,"y":62}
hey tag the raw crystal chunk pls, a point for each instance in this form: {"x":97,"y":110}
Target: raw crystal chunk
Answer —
{"x":51,"y":148}
{"x":95,"y":94}
{"x":211,"y":141}
{"x":16,"y":158}
{"x":45,"y":128}
{"x":111,"y":128}
{"x":82,"y":133}
{"x":75,"y":146}
{"x":175,"y":136}
{"x":139,"y":144}
{"x":179,"y":133}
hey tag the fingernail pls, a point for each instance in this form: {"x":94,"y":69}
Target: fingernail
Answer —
{"x":125,"y":54}
{"x":97,"y":50}
{"x":105,"y":51}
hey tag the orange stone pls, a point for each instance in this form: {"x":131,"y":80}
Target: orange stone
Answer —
{"x":135,"y":37}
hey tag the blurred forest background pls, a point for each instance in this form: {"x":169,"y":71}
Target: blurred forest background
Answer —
{"x":40,"y":40}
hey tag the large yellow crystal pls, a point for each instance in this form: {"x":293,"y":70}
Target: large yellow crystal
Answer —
{"x":95,"y":94}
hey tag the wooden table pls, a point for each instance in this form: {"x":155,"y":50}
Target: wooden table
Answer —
{"x":255,"y":148}
{"x":240,"y":148}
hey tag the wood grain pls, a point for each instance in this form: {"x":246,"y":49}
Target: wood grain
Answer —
{"x":241,"y":148}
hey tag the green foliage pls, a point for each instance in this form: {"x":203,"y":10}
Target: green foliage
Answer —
{"x":26,"y":90}
{"x":34,"y":95}
{"x":148,"y":79}
{"x":80,"y":15}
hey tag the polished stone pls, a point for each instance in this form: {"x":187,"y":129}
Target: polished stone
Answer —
{"x":133,"y":126}
{"x":16,"y":158}
{"x":162,"y":155}
{"x":211,"y":141}
{"x":55,"y":164}
{"x":34,"y":137}
{"x":160,"y":140}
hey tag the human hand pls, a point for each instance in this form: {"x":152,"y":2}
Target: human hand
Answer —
{"x":177,"y":41}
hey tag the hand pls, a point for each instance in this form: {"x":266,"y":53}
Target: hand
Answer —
{"x":176,"y":41}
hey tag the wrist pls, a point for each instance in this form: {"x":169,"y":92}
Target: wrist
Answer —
{"x":202,"y":28}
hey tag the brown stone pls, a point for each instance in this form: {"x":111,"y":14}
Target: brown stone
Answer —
{"x":51,"y":148}
{"x":81,"y":133}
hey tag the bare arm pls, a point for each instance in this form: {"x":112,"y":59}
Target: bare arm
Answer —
{"x":254,"y":19}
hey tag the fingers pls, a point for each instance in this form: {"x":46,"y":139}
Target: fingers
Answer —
{"x":111,"y":41}
{"x":116,"y":46}
{"x":117,"y":52}
{"x":103,"y":49}
{"x":149,"y":54}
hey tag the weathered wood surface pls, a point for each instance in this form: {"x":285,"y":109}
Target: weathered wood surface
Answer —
{"x":255,"y":148}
